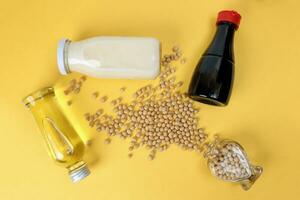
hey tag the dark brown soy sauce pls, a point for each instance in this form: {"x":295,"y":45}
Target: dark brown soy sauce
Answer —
{"x":213,"y":76}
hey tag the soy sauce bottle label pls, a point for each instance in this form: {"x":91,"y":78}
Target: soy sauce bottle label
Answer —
{"x":213,"y":77}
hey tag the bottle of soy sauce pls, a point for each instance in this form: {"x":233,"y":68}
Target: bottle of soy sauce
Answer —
{"x":213,"y":76}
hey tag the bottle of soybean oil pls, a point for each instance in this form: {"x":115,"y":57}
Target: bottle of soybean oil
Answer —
{"x":63,"y":143}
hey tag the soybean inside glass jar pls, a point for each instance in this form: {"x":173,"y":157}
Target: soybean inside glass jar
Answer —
{"x":228,"y":161}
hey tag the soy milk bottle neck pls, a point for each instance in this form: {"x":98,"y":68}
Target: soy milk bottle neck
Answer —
{"x":62,"y":56}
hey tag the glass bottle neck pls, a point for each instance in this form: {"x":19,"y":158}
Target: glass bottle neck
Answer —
{"x":222,"y":44}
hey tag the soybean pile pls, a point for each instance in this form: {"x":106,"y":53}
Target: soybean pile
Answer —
{"x":159,"y":115}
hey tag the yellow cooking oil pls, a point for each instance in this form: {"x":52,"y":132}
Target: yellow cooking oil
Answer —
{"x":63,"y":143}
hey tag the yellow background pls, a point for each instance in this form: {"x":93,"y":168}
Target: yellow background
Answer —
{"x":263,"y":114}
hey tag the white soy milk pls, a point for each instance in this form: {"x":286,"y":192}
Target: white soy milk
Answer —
{"x":111,"y":57}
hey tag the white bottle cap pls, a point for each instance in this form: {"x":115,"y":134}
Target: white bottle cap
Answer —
{"x":63,"y":69}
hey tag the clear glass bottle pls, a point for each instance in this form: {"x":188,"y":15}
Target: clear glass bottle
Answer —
{"x":228,"y":161}
{"x":63,"y":143}
{"x":110,"y":57}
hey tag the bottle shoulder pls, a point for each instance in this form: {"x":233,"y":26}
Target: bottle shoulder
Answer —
{"x":216,"y":57}
{"x":223,"y":42}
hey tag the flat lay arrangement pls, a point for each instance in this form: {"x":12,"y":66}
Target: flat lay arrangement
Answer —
{"x":159,"y":114}
{"x":149,"y":100}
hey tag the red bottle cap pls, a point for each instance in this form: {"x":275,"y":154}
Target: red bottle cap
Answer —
{"x":229,"y":16}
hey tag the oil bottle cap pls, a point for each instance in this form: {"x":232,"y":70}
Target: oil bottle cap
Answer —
{"x":79,"y":173}
{"x":229,"y":16}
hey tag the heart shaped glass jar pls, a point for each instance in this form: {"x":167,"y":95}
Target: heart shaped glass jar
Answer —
{"x":228,"y":161}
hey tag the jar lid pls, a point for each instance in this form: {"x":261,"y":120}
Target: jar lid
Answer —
{"x":34,"y":96}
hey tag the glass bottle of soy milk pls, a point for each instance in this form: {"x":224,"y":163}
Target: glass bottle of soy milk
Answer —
{"x":111,"y":57}
{"x":64,"y":145}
